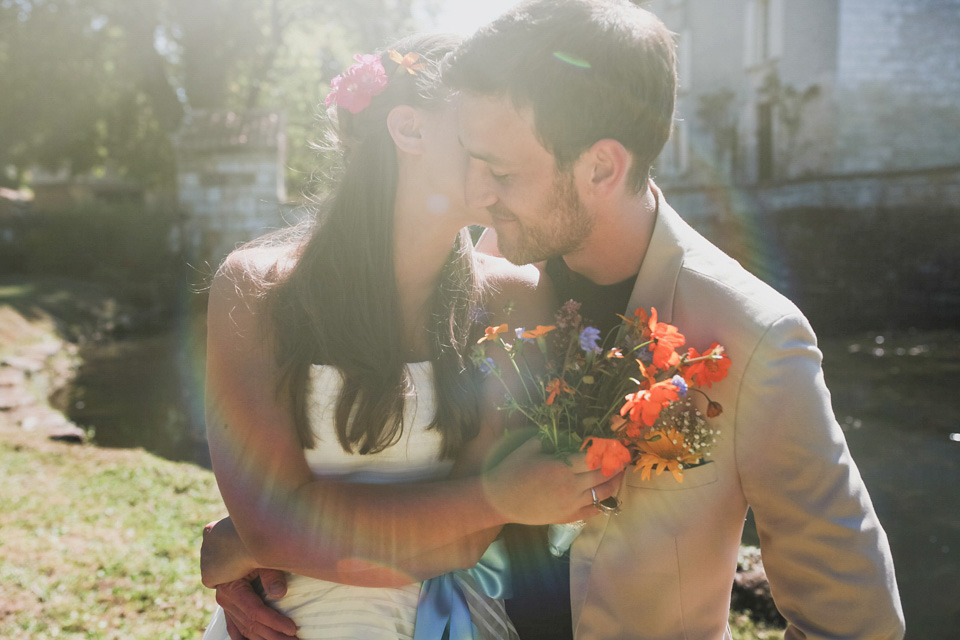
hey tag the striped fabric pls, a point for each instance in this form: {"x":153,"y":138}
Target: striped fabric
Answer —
{"x":488,"y":615}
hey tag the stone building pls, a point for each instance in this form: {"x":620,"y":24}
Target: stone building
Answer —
{"x":817,"y":142}
{"x":230,"y":178}
{"x":832,"y":103}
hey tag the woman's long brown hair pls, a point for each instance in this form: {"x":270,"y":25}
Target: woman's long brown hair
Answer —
{"x":339,"y":304}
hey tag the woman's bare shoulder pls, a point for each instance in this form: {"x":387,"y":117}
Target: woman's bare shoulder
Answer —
{"x":500,"y":272}
{"x":249,"y":271}
{"x":523,"y":288}
{"x":237,"y":293}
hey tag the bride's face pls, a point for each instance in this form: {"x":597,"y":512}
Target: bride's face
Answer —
{"x":446,"y":162}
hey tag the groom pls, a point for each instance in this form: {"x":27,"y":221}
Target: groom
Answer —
{"x":565,"y":105}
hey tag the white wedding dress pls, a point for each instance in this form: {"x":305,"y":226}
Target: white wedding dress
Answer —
{"x":326,"y":610}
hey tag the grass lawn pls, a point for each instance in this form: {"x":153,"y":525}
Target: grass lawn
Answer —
{"x":100,"y":543}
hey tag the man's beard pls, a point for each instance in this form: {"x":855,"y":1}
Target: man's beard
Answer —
{"x":561,"y":227}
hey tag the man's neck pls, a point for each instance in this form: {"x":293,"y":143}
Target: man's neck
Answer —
{"x":616,"y":246}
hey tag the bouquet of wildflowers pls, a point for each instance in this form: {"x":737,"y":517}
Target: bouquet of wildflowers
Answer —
{"x":626,"y":401}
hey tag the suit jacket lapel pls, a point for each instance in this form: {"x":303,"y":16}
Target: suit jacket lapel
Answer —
{"x":657,"y":280}
{"x":655,"y":287}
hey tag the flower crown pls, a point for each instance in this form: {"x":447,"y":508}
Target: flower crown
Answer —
{"x":355,"y":88}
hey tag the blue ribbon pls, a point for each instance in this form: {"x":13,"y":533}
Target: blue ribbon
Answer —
{"x":442,"y":611}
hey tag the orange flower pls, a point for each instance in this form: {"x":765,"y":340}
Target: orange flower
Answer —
{"x":664,"y":450}
{"x":490,"y":333}
{"x":407,"y":62}
{"x":646,"y":404}
{"x":666,"y":338}
{"x":615,"y":352}
{"x":555,"y":387}
{"x":712,"y":368}
{"x":538,"y":332}
{"x":610,"y":456}
{"x":632,"y":429}
{"x":638,"y":326}
{"x":649,"y":372}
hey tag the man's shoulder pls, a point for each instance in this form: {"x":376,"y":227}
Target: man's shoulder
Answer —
{"x":716,"y":282}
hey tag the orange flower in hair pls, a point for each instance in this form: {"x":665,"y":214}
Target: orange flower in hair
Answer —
{"x":407,"y":62}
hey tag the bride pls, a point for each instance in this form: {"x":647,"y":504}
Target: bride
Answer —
{"x":346,"y":433}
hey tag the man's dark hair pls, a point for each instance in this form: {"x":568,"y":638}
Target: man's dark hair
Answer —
{"x":588,"y":69}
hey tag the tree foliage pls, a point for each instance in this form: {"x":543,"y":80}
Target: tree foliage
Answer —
{"x":89,"y":84}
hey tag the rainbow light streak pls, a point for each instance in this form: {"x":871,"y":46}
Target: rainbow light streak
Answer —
{"x":571,"y":60}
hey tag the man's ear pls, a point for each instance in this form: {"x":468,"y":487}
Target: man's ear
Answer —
{"x":404,"y":123}
{"x":604,"y":167}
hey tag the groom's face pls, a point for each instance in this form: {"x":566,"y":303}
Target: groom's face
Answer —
{"x":535,"y":209}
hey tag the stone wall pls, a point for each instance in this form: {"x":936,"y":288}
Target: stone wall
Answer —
{"x":862,"y":252}
{"x":231,"y":180}
{"x":898,"y":82}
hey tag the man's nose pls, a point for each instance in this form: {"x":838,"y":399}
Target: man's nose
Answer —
{"x":478,"y":190}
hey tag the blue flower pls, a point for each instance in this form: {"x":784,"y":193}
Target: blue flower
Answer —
{"x":520,"y":331}
{"x":680,"y":384}
{"x":487,"y":366}
{"x":589,"y":338}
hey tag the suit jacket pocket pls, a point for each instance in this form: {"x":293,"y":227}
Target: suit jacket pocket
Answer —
{"x":695,"y":477}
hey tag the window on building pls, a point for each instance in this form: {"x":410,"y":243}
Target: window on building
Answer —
{"x":764,"y":29}
{"x":765,"y":142}
{"x":674,"y":160}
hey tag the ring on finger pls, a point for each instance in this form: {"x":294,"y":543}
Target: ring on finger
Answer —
{"x":610,"y":510}
{"x":596,"y":502}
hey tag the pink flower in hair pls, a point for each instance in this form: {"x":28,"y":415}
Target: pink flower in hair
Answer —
{"x":354,"y":88}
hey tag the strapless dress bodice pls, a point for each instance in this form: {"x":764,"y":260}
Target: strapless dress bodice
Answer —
{"x":415,"y":457}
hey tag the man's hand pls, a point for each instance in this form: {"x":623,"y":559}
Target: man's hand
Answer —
{"x":248,"y":618}
{"x":223,"y":556}
{"x":530,"y":487}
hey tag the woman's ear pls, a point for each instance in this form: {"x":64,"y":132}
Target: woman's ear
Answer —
{"x":405,"y":125}
{"x":604,"y":167}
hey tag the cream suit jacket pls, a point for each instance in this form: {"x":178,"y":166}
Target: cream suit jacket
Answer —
{"x":664,"y":567}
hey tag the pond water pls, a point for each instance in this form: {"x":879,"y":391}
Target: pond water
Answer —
{"x":895,"y":394}
{"x":142,"y":392}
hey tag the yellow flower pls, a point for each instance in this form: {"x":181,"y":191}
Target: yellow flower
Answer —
{"x":664,"y":450}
